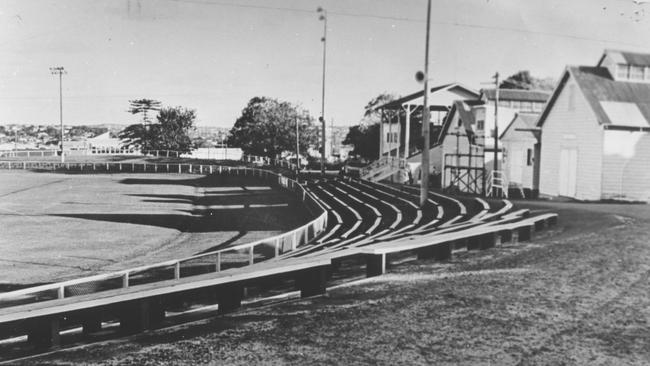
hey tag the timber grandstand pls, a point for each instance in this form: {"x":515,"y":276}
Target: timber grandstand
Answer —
{"x":344,"y":220}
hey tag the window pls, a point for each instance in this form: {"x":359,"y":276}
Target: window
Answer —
{"x":391,"y":137}
{"x":636,"y":73}
{"x":647,"y":73}
{"x":622,"y":71}
{"x":526,"y":106}
{"x":480,"y":125}
{"x":529,"y":157}
{"x":516,"y":104}
{"x":538,"y":106}
{"x":504,"y":103}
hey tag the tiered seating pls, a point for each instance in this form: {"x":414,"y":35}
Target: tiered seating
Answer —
{"x":442,"y":222}
{"x":365,"y":219}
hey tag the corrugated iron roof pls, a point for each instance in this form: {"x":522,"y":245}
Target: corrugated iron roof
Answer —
{"x":633,"y":58}
{"x":396,"y":104}
{"x":524,"y":120}
{"x":517,"y":94}
{"x":464,"y":110}
{"x":597,"y":85}
{"x":530,"y":119}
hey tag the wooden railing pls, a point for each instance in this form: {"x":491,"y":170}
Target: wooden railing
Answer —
{"x":385,"y":163}
{"x":207,"y":262}
{"x":497,"y":184}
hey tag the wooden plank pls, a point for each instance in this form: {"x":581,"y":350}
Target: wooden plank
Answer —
{"x":76,"y":303}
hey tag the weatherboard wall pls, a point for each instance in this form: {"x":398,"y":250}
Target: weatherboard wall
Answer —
{"x":571,"y":124}
{"x":626,"y":165}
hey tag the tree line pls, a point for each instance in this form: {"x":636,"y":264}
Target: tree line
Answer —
{"x":267,"y":126}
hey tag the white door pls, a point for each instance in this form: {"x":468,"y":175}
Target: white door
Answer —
{"x":517,"y":160}
{"x":568,"y":169}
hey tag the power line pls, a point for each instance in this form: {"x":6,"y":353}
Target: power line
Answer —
{"x":413,"y":20}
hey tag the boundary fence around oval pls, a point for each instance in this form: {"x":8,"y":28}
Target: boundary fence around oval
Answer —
{"x":28,"y":153}
{"x":176,"y":268}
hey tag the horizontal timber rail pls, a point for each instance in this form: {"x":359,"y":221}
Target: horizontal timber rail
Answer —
{"x":441,"y":246}
{"x":177,"y":268}
{"x":138,"y":309}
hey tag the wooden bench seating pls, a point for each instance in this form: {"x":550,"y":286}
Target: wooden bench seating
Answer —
{"x":143,"y":306}
{"x":440,"y":246}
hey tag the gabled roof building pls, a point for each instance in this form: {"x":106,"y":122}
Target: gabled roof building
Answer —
{"x":595,"y":139}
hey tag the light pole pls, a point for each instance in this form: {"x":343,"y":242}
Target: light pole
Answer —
{"x":323,"y":17}
{"x":297,"y":150}
{"x":424,"y":168}
{"x":59,"y":70}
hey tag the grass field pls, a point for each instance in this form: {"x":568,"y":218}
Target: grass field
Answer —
{"x":578,"y":295}
{"x":60,"y":226}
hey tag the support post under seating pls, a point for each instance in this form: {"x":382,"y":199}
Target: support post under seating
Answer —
{"x":312,"y":281}
{"x":375,"y":264}
{"x":525,"y":233}
{"x":229,"y":297}
{"x":44,"y":333}
{"x":438,"y":252}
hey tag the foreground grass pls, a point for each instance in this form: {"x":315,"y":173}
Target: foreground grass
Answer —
{"x":578,"y":295}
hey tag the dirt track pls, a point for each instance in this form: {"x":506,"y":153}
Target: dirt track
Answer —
{"x":578,"y":295}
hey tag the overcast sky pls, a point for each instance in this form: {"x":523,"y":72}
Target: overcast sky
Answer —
{"x":214,"y":55}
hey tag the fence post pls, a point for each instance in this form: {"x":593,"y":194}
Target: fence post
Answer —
{"x":125,"y":280}
{"x":277,"y":247}
{"x":179,"y":168}
{"x":218,"y":264}
{"x":120,"y":166}
{"x":177,"y":270}
{"x":251,"y":256}
{"x":60,"y":292}
{"x":294,"y":241}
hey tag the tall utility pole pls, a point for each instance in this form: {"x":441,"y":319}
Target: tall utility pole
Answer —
{"x":496,"y":122}
{"x":297,"y":149}
{"x":424,"y":182}
{"x":59,"y":70}
{"x":323,"y":17}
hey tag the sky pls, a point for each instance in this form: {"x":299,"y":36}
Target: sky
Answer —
{"x":215,"y":55}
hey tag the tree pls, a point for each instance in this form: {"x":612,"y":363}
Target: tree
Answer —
{"x":371,"y":113}
{"x":170,"y":132}
{"x":143,"y":106}
{"x":523,"y":80}
{"x":267,"y":127}
{"x":365,"y":139}
{"x":365,"y":136}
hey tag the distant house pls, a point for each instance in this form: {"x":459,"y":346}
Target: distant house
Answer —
{"x":395,"y":131}
{"x":399,"y":130}
{"x":520,"y":142}
{"x":458,"y":152}
{"x":595,"y":139}
{"x":521,"y":100}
